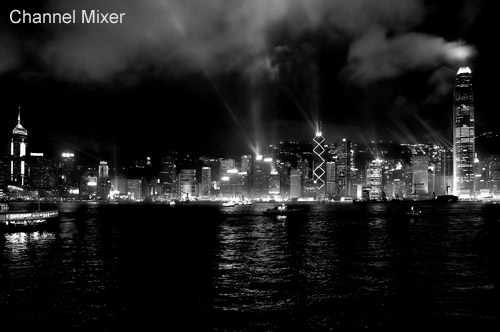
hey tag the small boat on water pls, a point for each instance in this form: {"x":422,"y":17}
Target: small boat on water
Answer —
{"x":285,"y":210}
{"x":413,"y":212}
{"x":228,"y":203}
{"x":24,"y":218}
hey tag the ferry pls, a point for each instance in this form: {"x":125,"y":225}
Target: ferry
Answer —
{"x":285,"y":210}
{"x":24,"y":218}
{"x":414,"y":213}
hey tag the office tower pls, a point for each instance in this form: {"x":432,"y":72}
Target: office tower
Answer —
{"x":103,"y":172}
{"x":168,"y":176}
{"x":295,"y":183}
{"x":319,"y":162}
{"x":206,"y":176}
{"x":420,"y":166}
{"x":463,"y":134}
{"x":344,"y":164}
{"x":246,"y":163}
{"x":187,"y":183}
{"x":134,"y":189}
{"x":283,"y":169}
{"x":243,"y":187}
{"x":493,"y":175}
{"x":225,"y":165}
{"x":262,"y":168}
{"x":229,"y":183}
{"x":42,"y":171}
{"x":67,"y":177}
{"x":374,"y":178}
{"x":18,"y":147}
{"x":274,"y":184}
{"x":330,"y":178}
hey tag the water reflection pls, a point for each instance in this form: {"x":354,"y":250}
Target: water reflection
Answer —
{"x":340,"y":267}
{"x":17,"y":244}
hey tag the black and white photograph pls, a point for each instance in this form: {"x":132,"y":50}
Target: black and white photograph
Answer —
{"x":249,"y":165}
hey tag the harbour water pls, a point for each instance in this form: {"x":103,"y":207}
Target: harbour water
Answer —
{"x":204,"y":267}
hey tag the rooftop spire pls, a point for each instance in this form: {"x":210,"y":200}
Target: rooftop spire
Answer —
{"x":19,"y":129}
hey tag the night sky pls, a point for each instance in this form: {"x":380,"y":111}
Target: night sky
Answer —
{"x":229,"y":77}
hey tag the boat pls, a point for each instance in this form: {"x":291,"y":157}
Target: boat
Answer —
{"x":13,"y":219}
{"x":171,"y":203}
{"x":446,"y":199}
{"x":285,"y":210}
{"x":228,"y":203}
{"x":413,"y":212}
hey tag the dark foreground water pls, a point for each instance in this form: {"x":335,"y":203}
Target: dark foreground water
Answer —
{"x":342,"y":267}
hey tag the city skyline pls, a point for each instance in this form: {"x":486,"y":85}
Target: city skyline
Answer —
{"x":226,"y":87}
{"x":316,"y":170}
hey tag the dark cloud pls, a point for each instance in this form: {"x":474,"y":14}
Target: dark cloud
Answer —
{"x":378,"y":56}
{"x":9,"y":57}
{"x":206,"y":35}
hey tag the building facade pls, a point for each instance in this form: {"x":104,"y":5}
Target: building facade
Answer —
{"x":319,"y":167}
{"x":18,"y":150}
{"x":463,"y":134}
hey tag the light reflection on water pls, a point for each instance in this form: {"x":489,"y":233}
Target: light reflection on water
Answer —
{"x":339,"y":267}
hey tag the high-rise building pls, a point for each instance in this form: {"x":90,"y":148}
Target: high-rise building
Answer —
{"x":43,"y":172}
{"x":344,"y":164}
{"x":103,"y":172}
{"x":168,"y":176}
{"x":187,"y":183}
{"x":420,"y":166}
{"x":243,"y":187}
{"x":463,"y":134}
{"x":134,"y":189}
{"x":225,"y":165}
{"x":262,"y":168}
{"x":67,"y":176}
{"x":18,"y":147}
{"x":493,"y":176}
{"x":274,"y":184}
{"x":319,"y":171}
{"x":374,"y":178}
{"x":246,"y":163}
{"x":330,"y":178}
{"x":295,"y":183}
{"x":206,"y":176}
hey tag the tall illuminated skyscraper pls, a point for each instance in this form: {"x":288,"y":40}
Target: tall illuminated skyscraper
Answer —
{"x":206,"y":178}
{"x":344,"y":166}
{"x":463,"y":134}
{"x":18,"y":147}
{"x":319,"y":170}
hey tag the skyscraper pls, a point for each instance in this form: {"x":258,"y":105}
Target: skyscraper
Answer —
{"x":206,"y":177}
{"x":330,"y":178}
{"x":344,"y":165}
{"x":18,"y":147}
{"x":463,"y":134}
{"x":66,"y":171}
{"x":295,"y":183}
{"x":420,"y":182}
{"x":319,"y":162}
{"x":187,"y":183}
{"x":168,"y":176}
